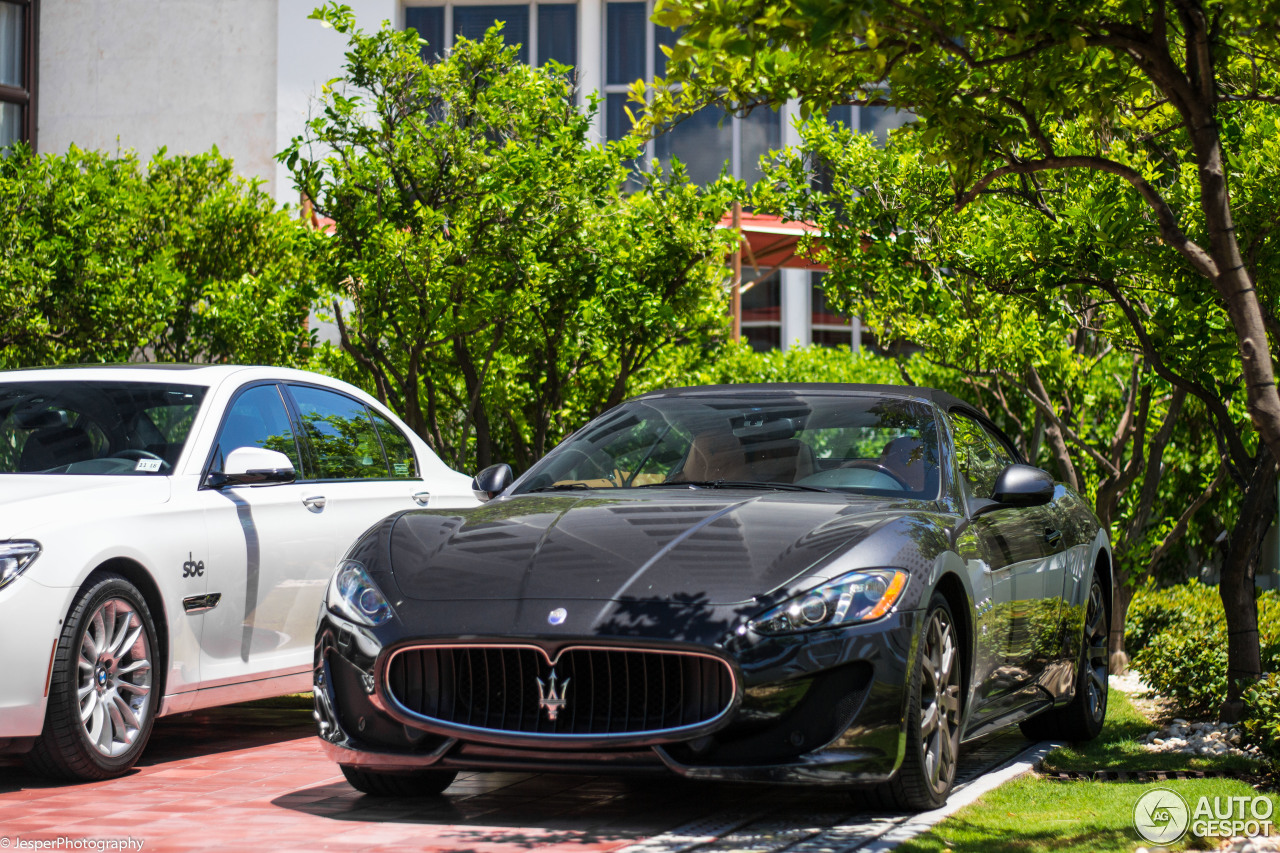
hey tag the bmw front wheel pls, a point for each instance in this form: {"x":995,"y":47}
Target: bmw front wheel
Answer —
{"x":101,"y":704}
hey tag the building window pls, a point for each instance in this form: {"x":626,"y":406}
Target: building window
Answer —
{"x":877,"y":121}
{"x":829,"y":327}
{"x":762,"y":311}
{"x":543,"y":31}
{"x":703,"y":142}
{"x":17,"y":72}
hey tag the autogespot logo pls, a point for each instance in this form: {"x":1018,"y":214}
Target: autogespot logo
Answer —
{"x":1161,"y":816}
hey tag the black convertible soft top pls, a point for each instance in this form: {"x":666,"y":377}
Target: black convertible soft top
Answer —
{"x":946,"y":402}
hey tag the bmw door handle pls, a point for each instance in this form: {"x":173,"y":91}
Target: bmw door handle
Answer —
{"x":421,"y":498}
{"x":315,"y":503}
{"x":1053,"y":536}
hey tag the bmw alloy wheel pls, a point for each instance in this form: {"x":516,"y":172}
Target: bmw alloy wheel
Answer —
{"x":114,"y":683}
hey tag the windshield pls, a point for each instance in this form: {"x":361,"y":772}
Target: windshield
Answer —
{"x":847,"y":443}
{"x":83,"y":427}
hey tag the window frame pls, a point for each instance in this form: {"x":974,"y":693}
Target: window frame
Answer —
{"x":25,"y":96}
{"x":531,"y":44}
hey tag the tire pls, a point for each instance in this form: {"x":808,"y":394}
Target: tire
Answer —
{"x":1082,"y":718}
{"x":928,"y":770}
{"x":106,"y":652}
{"x":420,"y":783}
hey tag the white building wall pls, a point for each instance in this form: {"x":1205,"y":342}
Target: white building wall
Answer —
{"x":141,"y":74}
{"x":309,"y":56}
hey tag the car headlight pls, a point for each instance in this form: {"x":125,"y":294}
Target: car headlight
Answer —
{"x":14,"y":559}
{"x":856,"y":597}
{"x":353,"y":594}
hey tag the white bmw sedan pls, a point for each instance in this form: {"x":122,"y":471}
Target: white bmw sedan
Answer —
{"x":167,"y":533}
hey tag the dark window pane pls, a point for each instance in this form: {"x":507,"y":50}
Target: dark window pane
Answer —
{"x":661,"y":36}
{"x":429,"y":22}
{"x":341,"y":434}
{"x":624,"y":42}
{"x":763,"y":338}
{"x":404,"y":465}
{"x":701,"y":142}
{"x":878,"y":121}
{"x":257,"y":419}
{"x":822,"y":313}
{"x":11,"y":15}
{"x":10,"y":126}
{"x":473,"y":21}
{"x":833,"y":337}
{"x":840,"y":115}
{"x":617,"y":122}
{"x":761,"y":133}
{"x":762,"y":300}
{"x":558,"y":33}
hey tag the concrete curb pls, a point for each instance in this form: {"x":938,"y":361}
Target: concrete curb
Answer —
{"x":1020,"y":765}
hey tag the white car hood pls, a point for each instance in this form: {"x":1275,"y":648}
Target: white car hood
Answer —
{"x":31,"y":501}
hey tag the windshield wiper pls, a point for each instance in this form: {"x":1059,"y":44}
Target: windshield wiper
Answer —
{"x":561,"y":487}
{"x":736,"y":484}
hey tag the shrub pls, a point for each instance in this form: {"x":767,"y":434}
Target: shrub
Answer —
{"x":1180,"y":637}
{"x":1262,"y":725}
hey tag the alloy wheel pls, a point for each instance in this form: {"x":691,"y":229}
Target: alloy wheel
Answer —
{"x":114,"y":677}
{"x":1095,"y":638}
{"x":940,"y":702}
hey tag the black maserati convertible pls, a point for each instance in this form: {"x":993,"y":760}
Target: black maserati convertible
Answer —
{"x":823,"y":584}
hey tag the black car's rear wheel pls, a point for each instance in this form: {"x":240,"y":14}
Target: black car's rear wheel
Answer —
{"x":1082,"y":718}
{"x":933,"y":718}
{"x":419,"y":783}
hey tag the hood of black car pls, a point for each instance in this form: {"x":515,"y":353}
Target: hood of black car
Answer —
{"x":709,"y":547}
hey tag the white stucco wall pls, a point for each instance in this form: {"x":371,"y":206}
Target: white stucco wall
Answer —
{"x":141,"y":74}
{"x":309,"y":55}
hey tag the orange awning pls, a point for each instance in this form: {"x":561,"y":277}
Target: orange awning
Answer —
{"x":768,"y":242}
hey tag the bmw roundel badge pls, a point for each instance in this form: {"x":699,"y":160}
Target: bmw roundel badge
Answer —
{"x":557,"y":616}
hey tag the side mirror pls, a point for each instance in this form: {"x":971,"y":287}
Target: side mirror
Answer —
{"x":253,"y":466}
{"x":492,"y":481}
{"x":1023,"y":485}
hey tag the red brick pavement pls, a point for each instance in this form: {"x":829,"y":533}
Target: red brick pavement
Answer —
{"x":252,"y":778}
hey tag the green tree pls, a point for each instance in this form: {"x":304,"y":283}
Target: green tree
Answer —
{"x":1058,"y":316}
{"x":104,"y":260}
{"x":497,"y":283}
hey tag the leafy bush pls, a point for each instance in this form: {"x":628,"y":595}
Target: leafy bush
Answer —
{"x":1262,"y":726}
{"x":1180,"y":637}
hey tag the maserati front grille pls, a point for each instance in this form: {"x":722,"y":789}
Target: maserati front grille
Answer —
{"x":590,"y":691}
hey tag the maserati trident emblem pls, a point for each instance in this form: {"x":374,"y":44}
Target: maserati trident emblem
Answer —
{"x":551,"y":699}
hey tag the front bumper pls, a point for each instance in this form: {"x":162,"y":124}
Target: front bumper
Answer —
{"x":30,"y":622}
{"x":825,"y":708}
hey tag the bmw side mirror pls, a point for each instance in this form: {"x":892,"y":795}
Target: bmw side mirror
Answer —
{"x":1023,"y":485}
{"x":253,"y":466}
{"x":492,"y":481}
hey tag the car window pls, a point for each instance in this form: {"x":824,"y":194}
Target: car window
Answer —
{"x":342,"y":436}
{"x":404,"y":465}
{"x":257,"y":418}
{"x":94,"y":426}
{"x":976,"y":456}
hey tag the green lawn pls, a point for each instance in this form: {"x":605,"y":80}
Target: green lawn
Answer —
{"x":1033,"y":814}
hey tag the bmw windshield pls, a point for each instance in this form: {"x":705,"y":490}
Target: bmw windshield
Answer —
{"x":93,"y":427}
{"x":822,"y":442}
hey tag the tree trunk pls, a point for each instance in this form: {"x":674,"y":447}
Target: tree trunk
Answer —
{"x":1121,"y":598}
{"x":1237,"y":589}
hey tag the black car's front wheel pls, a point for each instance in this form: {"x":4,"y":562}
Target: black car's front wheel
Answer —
{"x":419,"y":783}
{"x":933,"y":717}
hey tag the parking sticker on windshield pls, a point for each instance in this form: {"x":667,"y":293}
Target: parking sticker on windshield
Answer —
{"x":152,"y":465}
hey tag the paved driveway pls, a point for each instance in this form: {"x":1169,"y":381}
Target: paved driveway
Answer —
{"x":252,"y":778}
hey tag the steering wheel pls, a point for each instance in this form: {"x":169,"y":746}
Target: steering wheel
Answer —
{"x":136,"y":454}
{"x":880,"y":469}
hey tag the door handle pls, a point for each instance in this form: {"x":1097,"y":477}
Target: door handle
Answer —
{"x":1052,"y":536}
{"x":315,"y":503}
{"x":421,"y":498}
